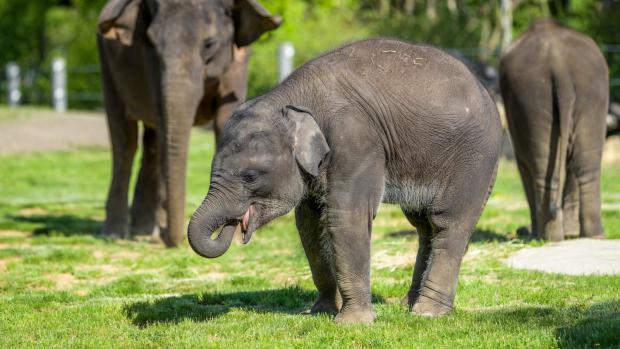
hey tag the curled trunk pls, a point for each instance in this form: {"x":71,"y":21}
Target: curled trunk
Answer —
{"x":203,"y":224}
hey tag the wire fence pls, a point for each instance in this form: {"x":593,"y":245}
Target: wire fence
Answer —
{"x":83,"y":83}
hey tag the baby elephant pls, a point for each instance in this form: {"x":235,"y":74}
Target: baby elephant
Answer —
{"x":375,"y":121}
{"x":555,"y":87}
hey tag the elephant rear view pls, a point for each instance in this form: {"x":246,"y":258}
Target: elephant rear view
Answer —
{"x":554,"y":83}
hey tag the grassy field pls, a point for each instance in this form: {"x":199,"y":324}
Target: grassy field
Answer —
{"x":62,"y":286}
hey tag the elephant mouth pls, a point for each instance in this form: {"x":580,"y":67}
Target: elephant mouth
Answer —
{"x":247,"y":226}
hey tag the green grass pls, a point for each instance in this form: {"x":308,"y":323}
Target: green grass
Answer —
{"x":62,"y":286}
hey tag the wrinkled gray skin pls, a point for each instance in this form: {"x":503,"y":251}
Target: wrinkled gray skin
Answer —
{"x":375,"y":121}
{"x":554,"y":83}
{"x":171,"y":64}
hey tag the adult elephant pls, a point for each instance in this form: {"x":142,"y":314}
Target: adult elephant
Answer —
{"x":170,"y":64}
{"x":554,"y":83}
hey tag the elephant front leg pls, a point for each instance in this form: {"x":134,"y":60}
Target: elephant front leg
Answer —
{"x":350,"y":236}
{"x":146,"y":200}
{"x":351,"y":209}
{"x":311,"y":230}
{"x":123,"y":138}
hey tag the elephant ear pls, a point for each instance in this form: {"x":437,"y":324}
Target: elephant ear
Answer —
{"x":117,"y":20}
{"x":251,"y":21}
{"x":309,"y":145}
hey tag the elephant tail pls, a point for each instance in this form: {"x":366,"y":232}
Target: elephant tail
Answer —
{"x":564,"y":97}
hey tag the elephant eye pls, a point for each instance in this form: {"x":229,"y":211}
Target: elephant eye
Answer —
{"x":208,"y":50}
{"x":251,"y":176}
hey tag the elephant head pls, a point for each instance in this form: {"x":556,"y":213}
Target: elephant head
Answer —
{"x":257,"y":173}
{"x":193,"y":39}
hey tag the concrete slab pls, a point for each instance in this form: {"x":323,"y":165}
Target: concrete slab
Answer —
{"x":571,"y":257}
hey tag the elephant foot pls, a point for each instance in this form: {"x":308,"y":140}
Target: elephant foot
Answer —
{"x":114,"y":230}
{"x":166,"y":238}
{"x":571,"y":234}
{"x":524,"y":233}
{"x":408,"y":300}
{"x":324,"y":306}
{"x":355,"y":316}
{"x":155,"y":237}
{"x":425,"y":306}
{"x":599,"y":236}
{"x":143,"y":227}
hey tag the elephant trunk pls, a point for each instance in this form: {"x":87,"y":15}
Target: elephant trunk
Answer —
{"x":179,"y":103}
{"x":205,"y":221}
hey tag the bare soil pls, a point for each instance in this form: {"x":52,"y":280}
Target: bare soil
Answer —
{"x":47,"y":130}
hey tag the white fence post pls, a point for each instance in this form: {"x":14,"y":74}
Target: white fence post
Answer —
{"x":286,"y":53}
{"x":506,"y":21}
{"x":13,"y":79}
{"x":59,"y":85}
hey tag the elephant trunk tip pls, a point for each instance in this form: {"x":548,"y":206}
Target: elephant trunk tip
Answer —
{"x":200,"y":231}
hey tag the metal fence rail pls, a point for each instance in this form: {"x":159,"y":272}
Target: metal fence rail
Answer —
{"x":79,"y":87}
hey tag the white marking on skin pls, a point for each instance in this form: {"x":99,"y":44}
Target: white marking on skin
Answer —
{"x":467,"y":110}
{"x":388,"y":51}
{"x":404,"y":57}
{"x":415,"y":61}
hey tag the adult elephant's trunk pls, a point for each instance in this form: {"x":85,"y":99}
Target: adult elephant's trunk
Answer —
{"x":205,"y":221}
{"x":180,"y":98}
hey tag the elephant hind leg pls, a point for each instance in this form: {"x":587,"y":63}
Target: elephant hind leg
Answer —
{"x":146,"y":200}
{"x":439,"y":281}
{"x":424,"y":229}
{"x":570,"y":205}
{"x":587,"y":164}
{"x":590,"y":205}
{"x":318,"y":252}
{"x":527,"y":180}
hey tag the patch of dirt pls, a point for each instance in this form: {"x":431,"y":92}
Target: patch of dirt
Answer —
{"x":14,"y":245}
{"x":611,"y":151}
{"x":32,"y":211}
{"x":14,"y":234}
{"x":383,"y":260}
{"x":125,"y":255}
{"x":208,"y":277}
{"x":4,"y":263}
{"x":63,"y":281}
{"x":51,"y":131}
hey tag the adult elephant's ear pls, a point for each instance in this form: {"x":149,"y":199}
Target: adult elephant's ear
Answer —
{"x":309,"y":145}
{"x":251,"y":21}
{"x":117,"y":20}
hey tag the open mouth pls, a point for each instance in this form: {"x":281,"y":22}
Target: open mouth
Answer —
{"x":245,"y":224}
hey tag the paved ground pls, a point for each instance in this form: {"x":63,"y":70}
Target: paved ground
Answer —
{"x":46,"y":130}
{"x":572,"y":257}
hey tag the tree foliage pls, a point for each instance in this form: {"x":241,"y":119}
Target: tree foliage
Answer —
{"x":35,"y":31}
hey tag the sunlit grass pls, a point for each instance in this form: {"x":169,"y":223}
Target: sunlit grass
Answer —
{"x":62,"y":286}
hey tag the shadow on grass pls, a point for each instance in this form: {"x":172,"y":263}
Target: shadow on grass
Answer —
{"x":597,"y":326}
{"x":600,"y":328}
{"x":485,"y":235}
{"x":172,"y":310}
{"x":479,"y":235}
{"x":66,"y":225}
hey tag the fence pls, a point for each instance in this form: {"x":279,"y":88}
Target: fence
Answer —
{"x":79,"y":87}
